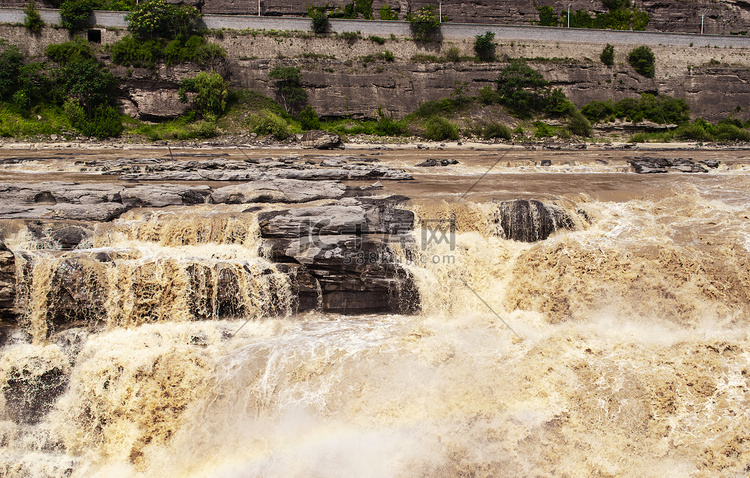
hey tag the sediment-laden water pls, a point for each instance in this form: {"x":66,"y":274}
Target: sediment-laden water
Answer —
{"x":618,"y":348}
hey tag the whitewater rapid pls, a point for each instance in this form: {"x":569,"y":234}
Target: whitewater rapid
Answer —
{"x":629,"y":356}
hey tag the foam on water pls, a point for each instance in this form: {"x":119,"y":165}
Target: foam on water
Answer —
{"x":632,"y":359}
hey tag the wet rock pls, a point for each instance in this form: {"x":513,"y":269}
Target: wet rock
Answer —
{"x":7,"y":282}
{"x":161,"y":195}
{"x":530,"y":220}
{"x":711,"y":163}
{"x":69,"y":237}
{"x":650,"y":165}
{"x":279,"y":190}
{"x":436,"y":162}
{"x":345,"y":217}
{"x":29,"y":397}
{"x":346,"y":249}
{"x":316,"y":139}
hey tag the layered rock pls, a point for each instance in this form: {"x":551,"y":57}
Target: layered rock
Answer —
{"x":346,"y":249}
{"x":530,"y":220}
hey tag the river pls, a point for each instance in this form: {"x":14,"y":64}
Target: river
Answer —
{"x":617,"y":348}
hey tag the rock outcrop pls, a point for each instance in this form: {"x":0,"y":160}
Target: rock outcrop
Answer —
{"x":651,"y":165}
{"x":346,"y":249}
{"x":530,"y":220}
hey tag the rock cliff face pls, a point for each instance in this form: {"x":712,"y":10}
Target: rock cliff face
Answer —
{"x":721,"y":17}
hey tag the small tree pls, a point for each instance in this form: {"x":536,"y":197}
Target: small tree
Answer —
{"x":74,"y":14}
{"x":388,"y":13}
{"x":608,"y":55}
{"x":547,"y":17}
{"x":485,"y":47}
{"x":522,"y":88}
{"x":642,"y":60}
{"x":309,"y":118}
{"x":424,"y":23}
{"x":33,"y":21}
{"x":319,"y":17}
{"x":288,"y":86}
{"x":212,"y":92}
{"x":155,"y":18}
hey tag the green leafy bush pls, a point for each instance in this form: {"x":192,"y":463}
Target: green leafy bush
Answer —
{"x":547,"y":16}
{"x":496,"y":130}
{"x":386,"y":125}
{"x":308,"y":118}
{"x":424,"y":24}
{"x":440,"y":129}
{"x":453,"y":54}
{"x":485,"y":47}
{"x":270,"y":123}
{"x":488,"y":96}
{"x":33,"y":21}
{"x":69,"y":52}
{"x":74,"y":14}
{"x":388,"y":13}
{"x":158,"y":19}
{"x":377,"y":39}
{"x":579,"y":125}
{"x":211,"y":93}
{"x":608,"y":55}
{"x":597,"y":111}
{"x":136,"y":53}
{"x":556,"y":104}
{"x":522,"y":88}
{"x":319,"y":19}
{"x":642,"y":60}
{"x":194,"y":49}
{"x":288,"y":87}
{"x":11,"y":61}
{"x":543,"y":130}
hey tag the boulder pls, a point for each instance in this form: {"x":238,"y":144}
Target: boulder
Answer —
{"x":530,"y":220}
{"x":278,"y":190}
{"x":317,"y":139}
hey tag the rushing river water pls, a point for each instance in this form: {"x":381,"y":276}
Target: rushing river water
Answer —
{"x":620,"y":348}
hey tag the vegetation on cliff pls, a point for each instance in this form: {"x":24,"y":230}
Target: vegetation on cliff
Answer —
{"x":619,"y":16}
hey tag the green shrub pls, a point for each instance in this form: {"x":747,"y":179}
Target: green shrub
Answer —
{"x":88,"y":82}
{"x":522,"y":88}
{"x":496,"y":130}
{"x":377,"y":39}
{"x":440,"y":129}
{"x":71,"y":51}
{"x":547,"y":16}
{"x":211,"y":93}
{"x":597,"y":111}
{"x":309,"y":118}
{"x":74,"y":14}
{"x":139,"y":54}
{"x":270,"y":123}
{"x":319,"y":18}
{"x":608,"y":55}
{"x":288,"y":87}
{"x":11,"y":62}
{"x":386,"y":125}
{"x":579,"y":125}
{"x":424,"y":24}
{"x":543,"y":130}
{"x":453,"y":54}
{"x":485,"y":47}
{"x":488,"y":96}
{"x":642,"y":60}
{"x":557,"y":104}
{"x":388,"y":13}
{"x":194,"y":50}
{"x":695,"y":131}
{"x":158,"y":19}
{"x":33,"y":21}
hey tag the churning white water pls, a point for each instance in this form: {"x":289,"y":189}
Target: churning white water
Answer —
{"x":629,"y":355}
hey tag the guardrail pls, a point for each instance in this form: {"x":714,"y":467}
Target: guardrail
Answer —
{"x":449,"y":31}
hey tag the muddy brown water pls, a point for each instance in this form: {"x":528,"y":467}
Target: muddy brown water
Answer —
{"x":629,"y":353}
